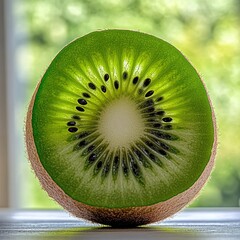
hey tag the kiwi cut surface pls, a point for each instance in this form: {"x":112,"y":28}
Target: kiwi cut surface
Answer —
{"x":120,"y":120}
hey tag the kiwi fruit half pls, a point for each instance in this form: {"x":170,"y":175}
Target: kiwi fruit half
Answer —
{"x":120,"y":130}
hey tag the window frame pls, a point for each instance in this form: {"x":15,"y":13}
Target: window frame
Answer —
{"x":9,"y":160}
{"x":4,"y":183}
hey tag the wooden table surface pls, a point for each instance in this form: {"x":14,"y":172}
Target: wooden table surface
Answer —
{"x":191,"y":223}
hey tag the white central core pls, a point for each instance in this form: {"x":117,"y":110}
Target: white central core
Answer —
{"x":121,"y":123}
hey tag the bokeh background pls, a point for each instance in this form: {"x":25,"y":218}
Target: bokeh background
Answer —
{"x":207,"y":32}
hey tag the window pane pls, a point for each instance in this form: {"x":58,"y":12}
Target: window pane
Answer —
{"x":207,"y":32}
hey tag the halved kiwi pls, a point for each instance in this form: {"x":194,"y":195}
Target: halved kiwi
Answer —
{"x":120,"y":130}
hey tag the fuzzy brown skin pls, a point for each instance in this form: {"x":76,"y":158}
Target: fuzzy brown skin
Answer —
{"x":117,"y":217}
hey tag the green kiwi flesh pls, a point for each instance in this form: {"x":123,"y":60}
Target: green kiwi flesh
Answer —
{"x":121,"y":120}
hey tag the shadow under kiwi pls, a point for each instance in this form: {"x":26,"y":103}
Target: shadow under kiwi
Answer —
{"x":138,"y":233}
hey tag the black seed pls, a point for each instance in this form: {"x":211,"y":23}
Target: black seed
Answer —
{"x":125,"y":75}
{"x":103,"y":88}
{"x":163,"y":135}
{"x":164,"y":146}
{"x":149,"y":93}
{"x":146,"y":82}
{"x":116,"y":84}
{"x":92,"y":86}
{"x":116,"y":160}
{"x":159,"y":99}
{"x":138,"y":153}
{"x":170,"y":148}
{"x":82,"y":101}
{"x":162,"y":152}
{"x":106,"y":169}
{"x":99,"y":165}
{"x":124,"y":167}
{"x":151,"y":114}
{"x":160,"y":113}
{"x":136,"y":170}
{"x":90,"y":148}
{"x":167,"y":127}
{"x":150,"y":102}
{"x":92,"y":158}
{"x":146,"y":152}
{"x":149,"y":144}
{"x":140,"y":91}
{"x":156,"y":141}
{"x":167,"y":119}
{"x":115,"y":165}
{"x":147,"y":103}
{"x":157,"y":125}
{"x":80,"y":109}
{"x":72,"y":129}
{"x":135,"y":80}
{"x":134,"y":167}
{"x":157,"y":134}
{"x":152,"y":156}
{"x":152,"y":146}
{"x":141,"y":158}
{"x":168,"y":137}
{"x":86,"y":95}
{"x":71,"y":123}
{"x":82,"y":143}
{"x":83,"y":134}
{"x":76,"y":117}
{"x":148,"y":110}
{"x":125,"y":170}
{"x":106,"y":77}
{"x":151,"y":119}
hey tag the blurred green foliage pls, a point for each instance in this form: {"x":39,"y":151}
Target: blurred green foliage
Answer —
{"x":207,"y":32}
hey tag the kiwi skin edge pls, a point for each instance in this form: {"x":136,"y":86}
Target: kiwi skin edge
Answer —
{"x":116,"y":217}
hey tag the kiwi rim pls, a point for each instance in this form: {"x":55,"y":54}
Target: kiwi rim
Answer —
{"x":38,"y":102}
